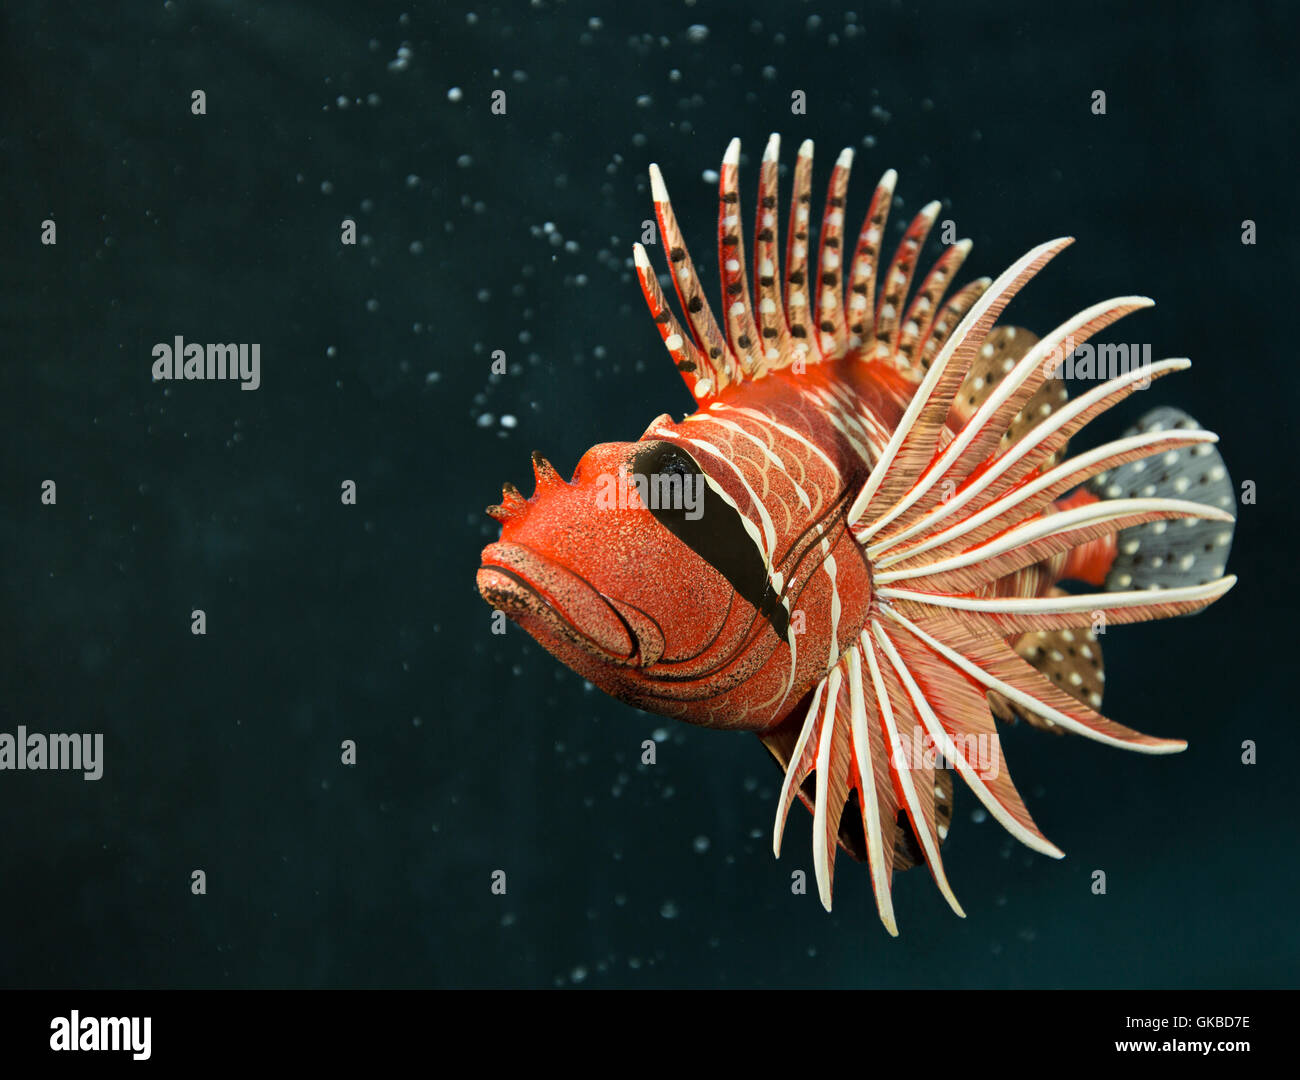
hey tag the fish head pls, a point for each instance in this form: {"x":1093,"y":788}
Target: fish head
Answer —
{"x":625,"y":570}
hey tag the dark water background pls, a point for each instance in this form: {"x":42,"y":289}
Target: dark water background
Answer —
{"x":327,"y":622}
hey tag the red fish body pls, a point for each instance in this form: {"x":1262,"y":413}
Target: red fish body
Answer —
{"x":696,"y":650}
{"x":853,"y":547}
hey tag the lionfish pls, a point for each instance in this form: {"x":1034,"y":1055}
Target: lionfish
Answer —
{"x":854,"y":547}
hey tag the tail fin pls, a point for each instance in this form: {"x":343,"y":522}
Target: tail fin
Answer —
{"x":1168,"y":554}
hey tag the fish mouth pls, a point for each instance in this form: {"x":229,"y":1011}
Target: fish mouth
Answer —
{"x":550,"y":600}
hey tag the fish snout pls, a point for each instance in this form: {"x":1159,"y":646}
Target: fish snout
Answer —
{"x":550,"y":600}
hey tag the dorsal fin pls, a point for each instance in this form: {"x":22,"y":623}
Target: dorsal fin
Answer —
{"x":804,"y":314}
{"x":738,"y":312}
{"x":897,"y":281}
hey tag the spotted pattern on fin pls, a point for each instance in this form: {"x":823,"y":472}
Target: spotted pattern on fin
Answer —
{"x":1167,"y":554}
{"x":1070,"y":658}
{"x":1002,"y":349}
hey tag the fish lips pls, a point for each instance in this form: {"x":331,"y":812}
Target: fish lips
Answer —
{"x":541,"y":595}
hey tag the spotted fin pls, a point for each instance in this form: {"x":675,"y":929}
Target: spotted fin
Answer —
{"x":1072,"y":659}
{"x":1169,"y":554}
{"x":1005,"y":347}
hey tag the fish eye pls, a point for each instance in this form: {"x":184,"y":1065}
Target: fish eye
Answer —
{"x":713,"y":528}
{"x":664,"y":459}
